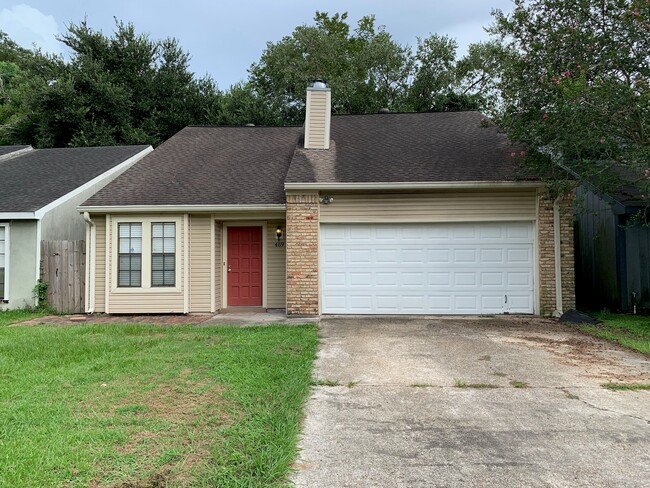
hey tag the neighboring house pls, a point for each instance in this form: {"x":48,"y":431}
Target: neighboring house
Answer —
{"x":40,"y":190}
{"x":612,"y":253}
{"x":418,"y":213}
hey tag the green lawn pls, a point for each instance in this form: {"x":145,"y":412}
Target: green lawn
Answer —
{"x":10,"y":316}
{"x":631,"y":331}
{"x":138,"y":405}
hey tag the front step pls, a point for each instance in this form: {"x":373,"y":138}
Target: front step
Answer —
{"x":243,"y":310}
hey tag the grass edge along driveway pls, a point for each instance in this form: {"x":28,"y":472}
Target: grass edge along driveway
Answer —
{"x":141,"y":405}
{"x":631,"y":331}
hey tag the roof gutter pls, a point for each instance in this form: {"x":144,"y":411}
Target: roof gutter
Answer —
{"x":179,"y":208}
{"x":18,"y":215}
{"x":408,"y":185}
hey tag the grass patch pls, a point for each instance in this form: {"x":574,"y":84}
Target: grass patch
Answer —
{"x":139,"y":405}
{"x":627,"y":386}
{"x":632,"y":331}
{"x":325,"y":382}
{"x":519,"y":384}
{"x":464,"y":384}
{"x":351,"y":384}
{"x":8,"y":317}
{"x":421,"y":385}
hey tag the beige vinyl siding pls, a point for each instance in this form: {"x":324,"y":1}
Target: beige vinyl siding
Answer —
{"x":218,"y":264}
{"x":318,"y":119}
{"x":100,"y":262}
{"x":276,"y":268}
{"x":200,"y":262}
{"x":442,"y":206}
{"x":147,"y":300}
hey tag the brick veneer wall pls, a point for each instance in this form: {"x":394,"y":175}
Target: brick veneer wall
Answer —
{"x":302,"y":254}
{"x":546,"y":249}
{"x":567,"y":254}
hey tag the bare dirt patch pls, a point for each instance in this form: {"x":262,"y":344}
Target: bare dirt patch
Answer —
{"x":68,"y":320}
{"x":586,"y":352}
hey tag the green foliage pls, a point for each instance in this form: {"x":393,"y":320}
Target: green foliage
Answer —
{"x":627,"y":386}
{"x":40,"y":293}
{"x":13,"y":316}
{"x":366,"y":68}
{"x":575,"y":87}
{"x":120,"y":89}
{"x":631,"y":331}
{"x":143,"y":405}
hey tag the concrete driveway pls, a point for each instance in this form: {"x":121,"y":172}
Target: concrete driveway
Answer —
{"x":399,"y":417}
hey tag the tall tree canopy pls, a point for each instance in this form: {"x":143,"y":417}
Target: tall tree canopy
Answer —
{"x":575,"y":86}
{"x":119,"y":89}
{"x":127,"y":88}
{"x":366,"y":68}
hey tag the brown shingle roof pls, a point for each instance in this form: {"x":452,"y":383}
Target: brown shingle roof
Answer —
{"x":409,"y":147}
{"x":208,"y":166}
{"x":250,"y":165}
{"x":33,"y":179}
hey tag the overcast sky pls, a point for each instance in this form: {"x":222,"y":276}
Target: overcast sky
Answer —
{"x":225,"y":38}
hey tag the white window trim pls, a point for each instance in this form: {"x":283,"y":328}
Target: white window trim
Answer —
{"x":146,"y":256}
{"x":6,"y":226}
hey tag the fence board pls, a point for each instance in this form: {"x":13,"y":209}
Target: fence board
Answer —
{"x":63,"y":269}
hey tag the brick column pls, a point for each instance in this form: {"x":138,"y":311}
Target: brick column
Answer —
{"x":546,"y":249}
{"x":302,"y":254}
{"x":567,"y":251}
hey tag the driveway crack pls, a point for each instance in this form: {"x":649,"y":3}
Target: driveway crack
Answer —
{"x":603,"y":409}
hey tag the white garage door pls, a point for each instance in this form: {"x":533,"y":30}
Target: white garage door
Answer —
{"x":484,"y":268}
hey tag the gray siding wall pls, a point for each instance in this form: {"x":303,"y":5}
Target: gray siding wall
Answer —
{"x":22,"y":263}
{"x":64,"y":222}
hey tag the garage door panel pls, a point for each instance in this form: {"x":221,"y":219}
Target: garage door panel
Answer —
{"x":427,"y":268}
{"x":439,"y":278}
{"x":438,"y":256}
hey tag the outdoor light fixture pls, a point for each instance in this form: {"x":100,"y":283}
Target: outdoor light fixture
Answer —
{"x":279,"y":233}
{"x":326,"y":199}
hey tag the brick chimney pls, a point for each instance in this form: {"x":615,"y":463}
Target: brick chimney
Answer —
{"x":319,"y":114}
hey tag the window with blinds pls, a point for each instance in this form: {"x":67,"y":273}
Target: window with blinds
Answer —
{"x":130,"y":255}
{"x":163,"y":254}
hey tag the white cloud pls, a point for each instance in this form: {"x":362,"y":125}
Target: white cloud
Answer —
{"x":27,"y":26}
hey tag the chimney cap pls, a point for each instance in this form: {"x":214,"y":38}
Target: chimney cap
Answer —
{"x":383,"y":110}
{"x":319,"y":84}
{"x":250,"y":125}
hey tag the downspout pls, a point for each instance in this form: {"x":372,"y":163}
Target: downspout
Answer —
{"x":558,"y":257}
{"x":38,"y":255}
{"x":91,"y":236}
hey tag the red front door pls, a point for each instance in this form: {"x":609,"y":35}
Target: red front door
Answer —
{"x":244,"y":266}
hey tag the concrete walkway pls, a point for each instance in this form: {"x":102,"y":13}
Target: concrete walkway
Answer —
{"x":532,"y":411}
{"x":251,"y":319}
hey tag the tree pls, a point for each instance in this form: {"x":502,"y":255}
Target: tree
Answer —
{"x":119,"y":89}
{"x":434,"y":85}
{"x":22,"y":72}
{"x":368,"y":68}
{"x":575,"y":87}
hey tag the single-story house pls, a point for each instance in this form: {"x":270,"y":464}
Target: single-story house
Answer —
{"x":389,"y":213}
{"x":612,"y":249}
{"x":40,"y":190}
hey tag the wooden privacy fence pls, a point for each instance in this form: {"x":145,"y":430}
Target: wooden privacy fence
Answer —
{"x":63,"y":269}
